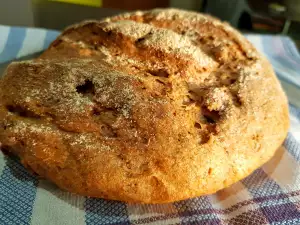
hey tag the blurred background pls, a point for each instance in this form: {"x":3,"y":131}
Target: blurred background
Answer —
{"x":249,"y":16}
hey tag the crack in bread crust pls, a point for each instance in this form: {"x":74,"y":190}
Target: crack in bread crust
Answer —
{"x":153,"y":106}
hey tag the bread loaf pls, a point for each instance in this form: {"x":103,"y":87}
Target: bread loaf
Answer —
{"x":152,"y":107}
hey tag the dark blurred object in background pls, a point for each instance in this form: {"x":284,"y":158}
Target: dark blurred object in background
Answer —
{"x":228,"y":10}
{"x":268,"y":15}
{"x":257,"y":16}
{"x":249,"y":14}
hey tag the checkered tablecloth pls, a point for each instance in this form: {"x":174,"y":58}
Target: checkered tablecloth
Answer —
{"x":271,"y":195}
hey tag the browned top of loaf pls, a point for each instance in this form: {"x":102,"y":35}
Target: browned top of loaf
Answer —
{"x":151,"y":106}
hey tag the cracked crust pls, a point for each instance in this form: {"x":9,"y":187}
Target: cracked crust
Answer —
{"x":153,"y":107}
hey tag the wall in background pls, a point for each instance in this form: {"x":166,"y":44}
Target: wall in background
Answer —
{"x":16,"y":12}
{"x":57,"y":15}
{"x":187,"y":4}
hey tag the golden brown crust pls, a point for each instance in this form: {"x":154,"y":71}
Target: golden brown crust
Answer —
{"x":152,"y":107}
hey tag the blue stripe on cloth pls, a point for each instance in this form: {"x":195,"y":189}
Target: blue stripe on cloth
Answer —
{"x":13,"y":45}
{"x":101,"y":211}
{"x":281,"y":76}
{"x":17,"y":193}
{"x":204,"y":211}
{"x":202,"y":222}
{"x":288,"y":53}
{"x":280,"y":63}
{"x":278,"y":53}
{"x":4,"y":32}
{"x":50,"y":36}
{"x":293,"y":147}
{"x":291,"y":48}
{"x":288,"y":222}
{"x":294,"y":110}
{"x":260,"y":185}
{"x":281,"y":213}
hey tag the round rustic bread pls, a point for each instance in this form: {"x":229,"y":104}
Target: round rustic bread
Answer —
{"x":151,"y":107}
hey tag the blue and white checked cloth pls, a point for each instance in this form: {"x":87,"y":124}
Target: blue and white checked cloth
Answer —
{"x":271,"y":195}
